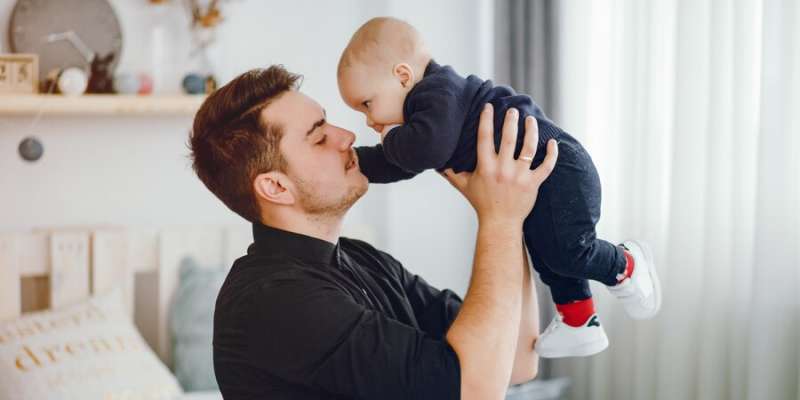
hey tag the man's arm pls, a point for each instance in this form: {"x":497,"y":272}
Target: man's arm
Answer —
{"x":436,"y":309}
{"x":484,"y":333}
{"x":502,"y":191}
{"x":526,"y":361}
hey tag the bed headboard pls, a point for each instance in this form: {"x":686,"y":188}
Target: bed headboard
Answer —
{"x":54,"y":268}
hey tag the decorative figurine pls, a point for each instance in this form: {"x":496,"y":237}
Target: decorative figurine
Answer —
{"x":194,"y":84}
{"x":145,"y":84}
{"x":211,"y":84}
{"x":126,"y":83}
{"x":100,"y":78}
{"x":72,"y":81}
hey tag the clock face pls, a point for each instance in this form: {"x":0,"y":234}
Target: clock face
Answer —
{"x":92,"y":21}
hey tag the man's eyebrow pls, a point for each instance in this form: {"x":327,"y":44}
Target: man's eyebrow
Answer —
{"x":318,"y":123}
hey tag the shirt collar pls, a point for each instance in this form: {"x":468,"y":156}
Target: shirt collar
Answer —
{"x":273,"y":241}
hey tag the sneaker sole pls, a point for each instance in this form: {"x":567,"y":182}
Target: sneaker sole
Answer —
{"x":584,"y":350}
{"x":645,"y":248}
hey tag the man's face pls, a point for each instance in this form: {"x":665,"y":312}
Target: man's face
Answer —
{"x":322,"y":164}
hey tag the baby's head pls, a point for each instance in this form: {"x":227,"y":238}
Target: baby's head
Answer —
{"x":385,"y":58}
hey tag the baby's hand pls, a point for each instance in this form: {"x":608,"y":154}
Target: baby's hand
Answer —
{"x":386,"y":130}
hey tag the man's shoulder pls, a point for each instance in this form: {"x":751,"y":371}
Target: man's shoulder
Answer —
{"x":258,"y":287}
{"x":252,"y":274}
{"x":263,"y":269}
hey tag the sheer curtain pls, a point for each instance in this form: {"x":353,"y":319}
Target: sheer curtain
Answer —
{"x":525,"y":46}
{"x":691,"y":111}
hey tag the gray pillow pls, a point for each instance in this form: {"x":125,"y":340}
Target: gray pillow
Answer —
{"x":192,"y":324}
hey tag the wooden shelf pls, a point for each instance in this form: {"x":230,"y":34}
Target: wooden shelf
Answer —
{"x":99,"y":104}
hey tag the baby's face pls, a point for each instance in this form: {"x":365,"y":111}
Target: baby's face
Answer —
{"x":379,"y":95}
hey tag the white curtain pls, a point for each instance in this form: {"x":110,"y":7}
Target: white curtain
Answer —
{"x":691,"y":111}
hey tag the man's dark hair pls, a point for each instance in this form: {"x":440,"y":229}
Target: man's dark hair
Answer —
{"x":231,"y":144}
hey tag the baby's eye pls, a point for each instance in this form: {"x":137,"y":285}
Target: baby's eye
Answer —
{"x":366,"y":104}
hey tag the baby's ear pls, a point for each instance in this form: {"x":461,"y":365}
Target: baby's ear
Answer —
{"x":404,"y":73}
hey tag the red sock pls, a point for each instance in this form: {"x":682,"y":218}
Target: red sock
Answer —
{"x":576,"y":313}
{"x":629,"y":264}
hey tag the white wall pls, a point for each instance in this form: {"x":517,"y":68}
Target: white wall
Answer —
{"x":134,"y":171}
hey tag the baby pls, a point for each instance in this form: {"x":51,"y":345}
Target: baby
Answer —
{"x":427,"y":116}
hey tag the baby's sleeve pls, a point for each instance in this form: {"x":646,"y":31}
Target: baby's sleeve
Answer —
{"x":377,"y":169}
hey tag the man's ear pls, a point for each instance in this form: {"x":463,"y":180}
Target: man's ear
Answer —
{"x":404,"y":73}
{"x":274,"y":187}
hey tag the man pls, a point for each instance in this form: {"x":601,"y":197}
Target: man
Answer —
{"x":309,"y":315}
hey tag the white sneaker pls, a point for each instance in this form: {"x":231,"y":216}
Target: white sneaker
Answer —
{"x":561,"y":340}
{"x":641,"y":293}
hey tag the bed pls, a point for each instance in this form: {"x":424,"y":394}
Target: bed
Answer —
{"x":48,"y":272}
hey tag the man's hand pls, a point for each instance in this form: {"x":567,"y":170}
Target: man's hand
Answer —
{"x":503,"y":189}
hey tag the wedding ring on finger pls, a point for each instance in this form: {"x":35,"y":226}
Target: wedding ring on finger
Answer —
{"x":526,"y":158}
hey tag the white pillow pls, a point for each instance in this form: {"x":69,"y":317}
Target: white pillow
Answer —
{"x":86,"y":351}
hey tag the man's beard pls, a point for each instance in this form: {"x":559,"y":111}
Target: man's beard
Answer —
{"x":316,"y":205}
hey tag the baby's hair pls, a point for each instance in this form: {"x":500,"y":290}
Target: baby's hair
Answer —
{"x":384,"y":40}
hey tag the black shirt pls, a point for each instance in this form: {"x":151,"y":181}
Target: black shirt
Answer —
{"x":302,"y":318}
{"x":440,"y":129}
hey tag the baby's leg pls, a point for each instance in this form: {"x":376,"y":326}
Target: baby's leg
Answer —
{"x":576,"y":330}
{"x":557,"y":230}
{"x":571,"y":295}
{"x":565,"y":216}
{"x":563,"y":289}
{"x":564,"y":220}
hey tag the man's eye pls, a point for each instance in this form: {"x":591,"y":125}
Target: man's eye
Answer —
{"x":322,"y":141}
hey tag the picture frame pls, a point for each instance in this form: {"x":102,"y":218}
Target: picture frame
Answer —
{"x":19,"y":73}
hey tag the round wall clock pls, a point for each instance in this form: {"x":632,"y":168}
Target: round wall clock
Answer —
{"x":65,"y":32}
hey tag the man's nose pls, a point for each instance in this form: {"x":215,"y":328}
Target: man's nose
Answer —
{"x":344,"y":139}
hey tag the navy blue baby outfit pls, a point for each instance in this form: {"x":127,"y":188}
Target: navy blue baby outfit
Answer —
{"x":441,"y":116}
